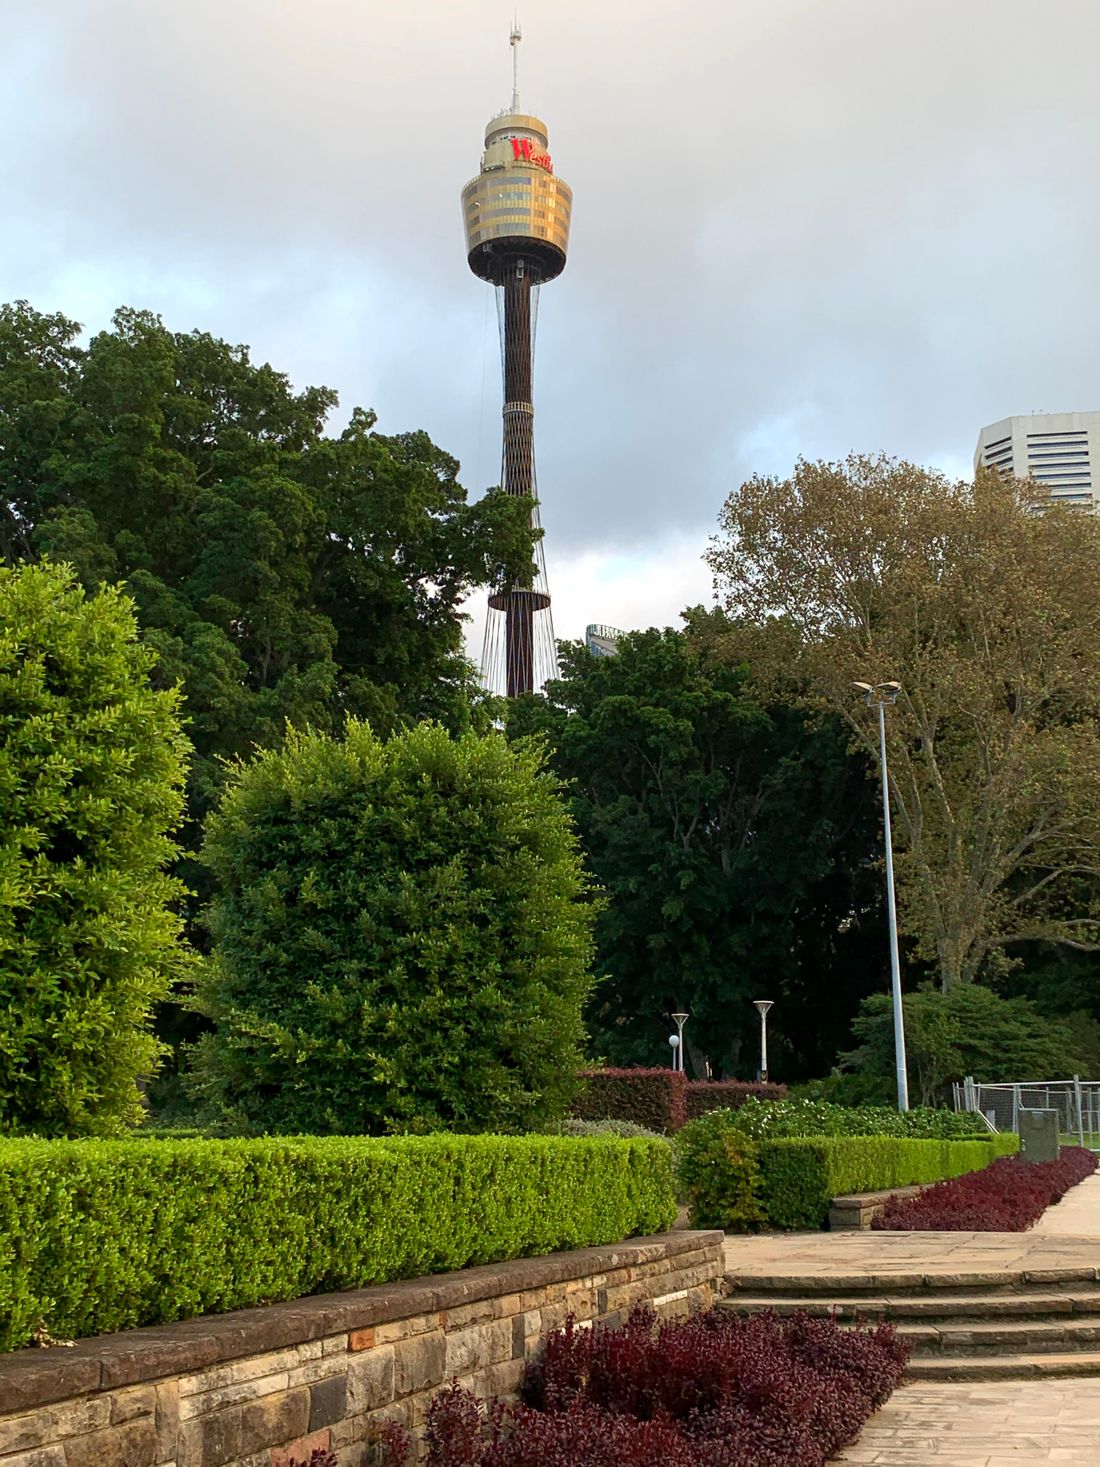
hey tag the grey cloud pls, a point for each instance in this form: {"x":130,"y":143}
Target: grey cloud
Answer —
{"x":801,"y":225}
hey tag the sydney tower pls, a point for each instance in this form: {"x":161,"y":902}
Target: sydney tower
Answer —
{"x":516,"y":213}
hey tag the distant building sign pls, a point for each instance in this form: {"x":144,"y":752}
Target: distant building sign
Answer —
{"x":523,"y":151}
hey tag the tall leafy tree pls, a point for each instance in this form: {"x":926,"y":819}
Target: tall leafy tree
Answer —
{"x":965,"y":1030}
{"x":735,"y":845}
{"x":92,"y":767}
{"x":980,"y":599}
{"x":281,"y":572}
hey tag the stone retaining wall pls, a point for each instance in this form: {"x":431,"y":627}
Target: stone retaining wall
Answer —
{"x":264,"y":1387}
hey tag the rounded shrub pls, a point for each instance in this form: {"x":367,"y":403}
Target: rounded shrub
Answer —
{"x":402,"y":938}
{"x":718,"y":1175}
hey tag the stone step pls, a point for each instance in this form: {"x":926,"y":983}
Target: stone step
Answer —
{"x":1003,"y":1367}
{"x":1006,"y":1337}
{"x":921,"y":1285}
{"x":933,"y":1305}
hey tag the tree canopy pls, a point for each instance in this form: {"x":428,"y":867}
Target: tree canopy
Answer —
{"x":980,"y":599}
{"x":280,"y":572}
{"x":401,"y":938}
{"x":736,"y":846}
{"x":92,"y":766}
{"x":967,"y":1030}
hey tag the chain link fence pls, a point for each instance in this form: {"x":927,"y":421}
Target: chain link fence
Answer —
{"x":1077,"y":1102}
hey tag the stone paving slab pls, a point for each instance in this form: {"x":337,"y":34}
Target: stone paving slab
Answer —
{"x":1066,"y":1237}
{"x":1023,"y":1423}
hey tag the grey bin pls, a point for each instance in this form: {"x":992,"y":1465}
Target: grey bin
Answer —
{"x":1038,"y":1132}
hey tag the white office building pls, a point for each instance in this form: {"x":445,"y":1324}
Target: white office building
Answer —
{"x":1060,"y":450}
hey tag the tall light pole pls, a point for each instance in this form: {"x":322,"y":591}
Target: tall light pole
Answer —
{"x":762,"y":1005}
{"x":883,"y":696}
{"x":678,"y":1048}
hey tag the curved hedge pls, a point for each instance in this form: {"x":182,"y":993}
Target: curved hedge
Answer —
{"x":97,"y":1236}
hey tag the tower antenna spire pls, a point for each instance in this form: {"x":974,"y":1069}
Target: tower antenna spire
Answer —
{"x":514,"y":40}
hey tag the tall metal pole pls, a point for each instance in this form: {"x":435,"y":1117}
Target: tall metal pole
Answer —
{"x":891,"y":904}
{"x":762,"y":1005}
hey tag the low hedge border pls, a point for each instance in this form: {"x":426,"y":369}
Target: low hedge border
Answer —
{"x":799,"y":1176}
{"x":99,"y":1236}
{"x":732,"y":1181}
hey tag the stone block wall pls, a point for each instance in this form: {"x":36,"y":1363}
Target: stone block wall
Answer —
{"x":264,"y":1387}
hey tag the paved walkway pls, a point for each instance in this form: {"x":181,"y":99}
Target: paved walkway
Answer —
{"x":1064,"y":1237}
{"x":1004,"y":1424}
{"x":998,"y":1424}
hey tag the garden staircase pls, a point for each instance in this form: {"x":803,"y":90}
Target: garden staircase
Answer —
{"x":982,"y":1326}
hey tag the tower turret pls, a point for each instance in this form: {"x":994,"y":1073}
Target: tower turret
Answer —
{"x":516,"y":214}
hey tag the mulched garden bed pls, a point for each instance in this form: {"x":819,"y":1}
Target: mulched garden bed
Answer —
{"x":1006,"y":1197}
{"x":711,"y":1391}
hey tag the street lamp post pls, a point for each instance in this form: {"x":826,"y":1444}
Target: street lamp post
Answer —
{"x":762,"y":1005}
{"x":882,"y":696}
{"x":680,"y":1020}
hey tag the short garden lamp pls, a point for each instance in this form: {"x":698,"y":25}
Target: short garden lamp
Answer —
{"x":678,"y":1047}
{"x":762,"y":1005}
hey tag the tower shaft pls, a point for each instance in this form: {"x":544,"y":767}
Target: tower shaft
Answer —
{"x":519,"y":470}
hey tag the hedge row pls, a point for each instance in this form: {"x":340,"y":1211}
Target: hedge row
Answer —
{"x":97,"y":1236}
{"x":801,"y":1175}
{"x":732,"y":1181}
{"x":661,"y":1100}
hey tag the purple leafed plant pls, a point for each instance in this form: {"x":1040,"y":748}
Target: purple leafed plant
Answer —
{"x":712,"y":1391}
{"x":1005,"y":1197}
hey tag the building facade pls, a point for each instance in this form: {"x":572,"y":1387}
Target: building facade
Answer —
{"x":1058,"y":450}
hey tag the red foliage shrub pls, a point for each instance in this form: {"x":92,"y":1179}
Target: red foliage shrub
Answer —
{"x":713,"y":1391}
{"x":652,"y":1098}
{"x":1005,"y":1197}
{"x":704,"y":1095}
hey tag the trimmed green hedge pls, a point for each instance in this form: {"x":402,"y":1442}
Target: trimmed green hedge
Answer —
{"x":735,"y":1181}
{"x":97,"y":1236}
{"x":800,"y":1176}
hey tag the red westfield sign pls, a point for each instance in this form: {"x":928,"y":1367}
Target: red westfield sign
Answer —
{"x":523,"y":151}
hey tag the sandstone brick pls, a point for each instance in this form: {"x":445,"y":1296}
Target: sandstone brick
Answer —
{"x":38,"y":1457}
{"x":404,"y":1329}
{"x":476,"y":1347}
{"x":132,"y":1444}
{"x":327,"y":1401}
{"x":30,"y":1429}
{"x":418,"y":1363}
{"x":167,"y":1420}
{"x":274,"y":1420}
{"x":300,"y":1450}
{"x":370,"y":1380}
{"x":130,"y":1404}
{"x":210,"y":1441}
{"x":203,"y":1402}
{"x":313,"y":1370}
{"x":501,"y":1379}
{"x":236,"y":1372}
{"x":335,"y":1344}
{"x":310,"y":1350}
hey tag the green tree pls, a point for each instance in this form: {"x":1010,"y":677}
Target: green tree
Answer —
{"x":281,"y":573}
{"x":967,"y":1030}
{"x":92,"y":767}
{"x":402,"y":937}
{"x":980,"y":600}
{"x":736,"y":846}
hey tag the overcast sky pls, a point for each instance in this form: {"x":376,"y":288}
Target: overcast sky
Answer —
{"x":800,"y":227}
